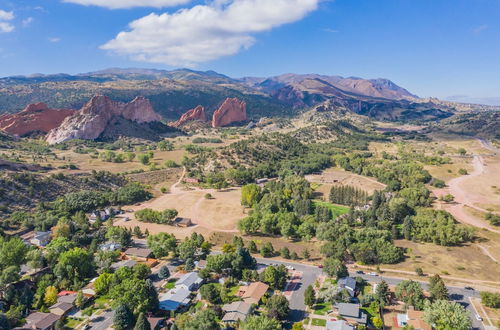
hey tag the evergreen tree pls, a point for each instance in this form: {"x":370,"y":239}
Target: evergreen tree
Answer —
{"x":437,"y":288}
{"x":142,"y":323}
{"x":382,"y":293}
{"x":285,"y":253}
{"x":189,"y":264}
{"x":152,"y":294}
{"x":164,"y":273}
{"x":252,"y":247}
{"x":123,"y":318}
{"x":309,"y":296}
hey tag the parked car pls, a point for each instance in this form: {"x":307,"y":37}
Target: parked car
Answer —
{"x":290,"y":267}
{"x":478,"y":317}
{"x":320,"y":266}
{"x":373,"y":274}
{"x":469,"y":288}
{"x":360,"y":272}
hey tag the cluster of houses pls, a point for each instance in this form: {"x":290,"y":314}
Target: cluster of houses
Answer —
{"x":104,"y":214}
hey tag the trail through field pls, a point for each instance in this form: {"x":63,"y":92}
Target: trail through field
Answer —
{"x":464,"y":197}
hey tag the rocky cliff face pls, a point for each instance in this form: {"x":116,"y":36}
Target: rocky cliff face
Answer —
{"x":34,"y":118}
{"x":91,"y":121}
{"x":197,"y":113}
{"x":231,"y":111}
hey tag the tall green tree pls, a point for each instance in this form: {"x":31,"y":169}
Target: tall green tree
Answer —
{"x":142,"y":323}
{"x":443,"y":314}
{"x":335,"y":268}
{"x":260,"y":322}
{"x":309,"y":296}
{"x":278,"y":307}
{"x":437,"y":288}
{"x":250,"y":194}
{"x":411,"y":293}
{"x":123,"y":318}
{"x":382,"y":293}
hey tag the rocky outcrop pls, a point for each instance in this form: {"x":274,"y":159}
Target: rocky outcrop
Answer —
{"x":195,"y":114}
{"x":91,"y":121}
{"x":35,"y":118}
{"x":231,"y":111}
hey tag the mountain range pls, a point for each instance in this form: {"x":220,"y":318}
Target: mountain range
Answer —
{"x":174,"y":92}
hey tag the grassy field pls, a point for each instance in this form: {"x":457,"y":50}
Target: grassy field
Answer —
{"x":322,"y":308}
{"x":337,"y":210}
{"x":318,"y":322}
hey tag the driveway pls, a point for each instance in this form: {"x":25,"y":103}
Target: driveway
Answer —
{"x":103,"y":321}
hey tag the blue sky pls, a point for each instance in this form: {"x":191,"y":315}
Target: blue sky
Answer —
{"x":442,"y":48}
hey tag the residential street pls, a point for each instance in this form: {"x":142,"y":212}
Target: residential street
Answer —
{"x":103,"y":321}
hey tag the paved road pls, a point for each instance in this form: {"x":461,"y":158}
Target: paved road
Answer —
{"x":103,"y":321}
{"x":457,"y":294}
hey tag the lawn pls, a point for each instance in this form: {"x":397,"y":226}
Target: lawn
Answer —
{"x":318,"y":322}
{"x":170,"y":284}
{"x":322,"y":308}
{"x":336,"y":209}
{"x":71,"y":323}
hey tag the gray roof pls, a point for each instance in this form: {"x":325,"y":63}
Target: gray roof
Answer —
{"x":69,"y":298}
{"x":64,"y":306}
{"x":347,"y":283}
{"x":233,"y":317}
{"x":138,"y":252}
{"x":123,"y":263}
{"x":338,"y":325}
{"x":174,"y":298}
{"x":237,"y":306}
{"x":40,"y":320}
{"x":189,"y":279}
{"x":352,"y":311}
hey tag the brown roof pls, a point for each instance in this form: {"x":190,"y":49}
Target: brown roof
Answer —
{"x":413,"y":314}
{"x":155,"y":321}
{"x":254,"y":292}
{"x":419,"y":324}
{"x":138,"y":252}
{"x":42,"y":321}
{"x":63,"y":306}
{"x":69,"y":298}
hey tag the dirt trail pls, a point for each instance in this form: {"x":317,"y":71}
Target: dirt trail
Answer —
{"x":464,"y":198}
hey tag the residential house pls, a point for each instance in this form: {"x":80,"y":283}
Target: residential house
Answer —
{"x":261,"y":181}
{"x":156,"y":322}
{"x":236,"y":311}
{"x":123,"y":263}
{"x":201,"y":264}
{"x":338,"y":325}
{"x":183,"y":222}
{"x":110,"y":247}
{"x":175,"y":299}
{"x":41,"y":238}
{"x":253,"y":293}
{"x":191,"y":180}
{"x":352,"y":313}
{"x":190,"y":281}
{"x":414,"y":319}
{"x":138,"y":253}
{"x":61,"y":308}
{"x":41,"y":321}
{"x":349,"y":284}
{"x":68,"y":298}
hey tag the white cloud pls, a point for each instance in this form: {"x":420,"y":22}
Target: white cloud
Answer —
{"x":54,"y":40}
{"x":120,"y":4}
{"x":27,"y":21}
{"x":480,"y":28}
{"x":205,"y":32}
{"x":6,"y":15}
{"x":6,"y":27}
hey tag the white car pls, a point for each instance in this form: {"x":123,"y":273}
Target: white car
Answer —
{"x":290,"y":268}
{"x":373,"y":274}
{"x":478,"y":317}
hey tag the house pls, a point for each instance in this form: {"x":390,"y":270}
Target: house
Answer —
{"x":156,"y":322}
{"x":349,"y":284}
{"x":61,"y":308}
{"x":414,"y":319}
{"x":338,"y":325}
{"x":41,"y":238}
{"x":68,"y":298}
{"x":123,"y":263}
{"x":183,"y":222}
{"x":352,"y":313}
{"x":261,"y":181}
{"x":202,"y":264}
{"x":175,"y":299}
{"x":252,"y":293}
{"x":110,"y":247}
{"x":41,"y":321}
{"x":191,"y":180}
{"x":190,"y":281}
{"x":236,"y":311}
{"x":139,"y":253}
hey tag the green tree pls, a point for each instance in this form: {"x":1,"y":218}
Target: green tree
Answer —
{"x":437,"y":288}
{"x":4,"y":322}
{"x":267,"y":250}
{"x":275,"y":276}
{"x":377,"y":322}
{"x":50,"y":297}
{"x":490,"y":299}
{"x":102,"y":283}
{"x":335,"y":268}
{"x":309,"y":296}
{"x":210,"y":293}
{"x":298,"y":326}
{"x":285,"y":253}
{"x":250,"y":194}
{"x":382,"y":293}
{"x":443,"y":314}
{"x":162,"y":244}
{"x":411,"y":293}
{"x":278,"y":307}
{"x":252,"y":247}
{"x":123,"y":318}
{"x":164,"y":273}
{"x":203,"y":320}
{"x":142,"y":323}
{"x":260,"y":322}
{"x":76,"y":264}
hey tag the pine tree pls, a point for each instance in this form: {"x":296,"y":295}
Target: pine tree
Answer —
{"x":123,"y":318}
{"x":142,"y":323}
{"x":164,"y":273}
{"x":437,"y":288}
{"x":382,"y":293}
{"x":309,"y":296}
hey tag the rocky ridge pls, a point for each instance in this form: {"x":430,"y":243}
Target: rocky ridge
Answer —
{"x":197,"y":113}
{"x":91,"y":121}
{"x":35,"y":118}
{"x":231,"y":111}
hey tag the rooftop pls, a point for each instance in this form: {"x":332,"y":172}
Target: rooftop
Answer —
{"x":138,"y":252}
{"x":189,"y":279}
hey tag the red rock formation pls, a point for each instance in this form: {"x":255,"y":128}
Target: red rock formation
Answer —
{"x":231,"y":111}
{"x":197,"y":113}
{"x":34,"y":118}
{"x":91,"y":121}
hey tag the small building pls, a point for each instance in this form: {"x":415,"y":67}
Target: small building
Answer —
{"x":61,"y":308}
{"x":349,"y":284}
{"x":68,"y":298}
{"x":352,"y":313}
{"x":236,"y":311}
{"x":190,"y":281}
{"x":41,"y":238}
{"x":253,"y":293}
{"x":110,"y":247}
{"x":175,"y":299}
{"x":41,"y":321}
{"x":191,"y":180}
{"x":139,"y":253}
{"x":183,"y":222}
{"x":123,"y":263}
{"x":261,"y":181}
{"x":156,"y":322}
{"x":414,"y":319}
{"x":201,"y":264}
{"x":338,"y":325}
